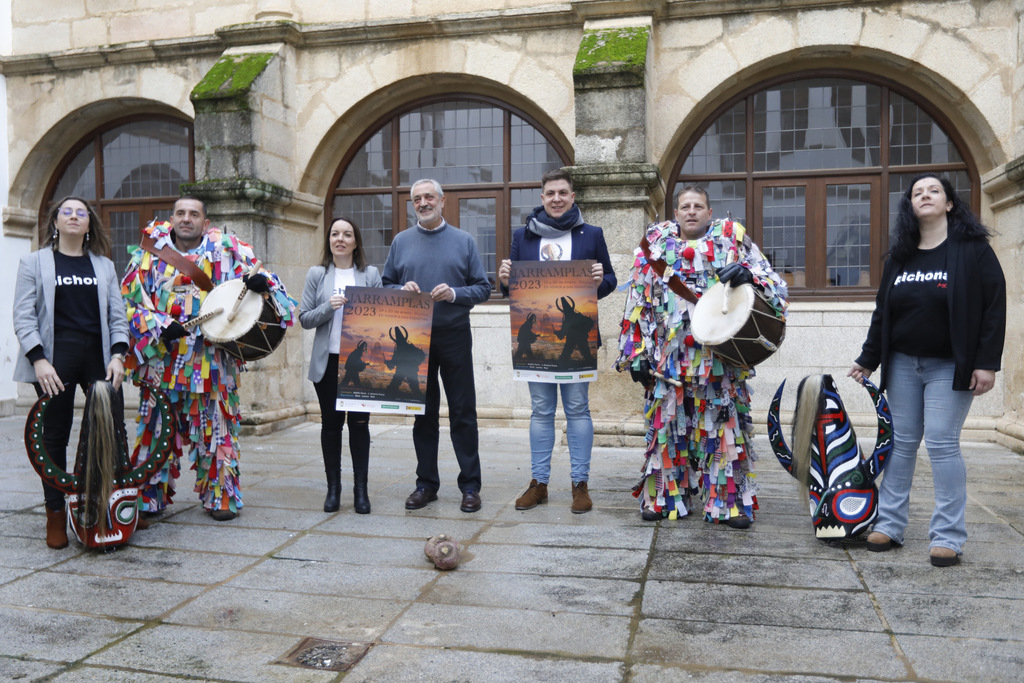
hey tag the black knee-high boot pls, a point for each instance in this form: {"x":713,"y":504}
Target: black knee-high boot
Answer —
{"x":359,"y":446}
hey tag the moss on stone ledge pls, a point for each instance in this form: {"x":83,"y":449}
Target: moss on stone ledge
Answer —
{"x":231,"y":77}
{"x":617,"y":48}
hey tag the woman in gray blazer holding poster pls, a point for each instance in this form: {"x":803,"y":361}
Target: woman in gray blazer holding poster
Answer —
{"x":72,"y":328}
{"x":323,"y":308}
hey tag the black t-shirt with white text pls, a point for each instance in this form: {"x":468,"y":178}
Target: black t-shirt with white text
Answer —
{"x":919,"y":306}
{"x":75,"y":303}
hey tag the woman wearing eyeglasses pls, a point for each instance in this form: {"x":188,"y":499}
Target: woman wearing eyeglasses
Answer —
{"x":71,"y":324}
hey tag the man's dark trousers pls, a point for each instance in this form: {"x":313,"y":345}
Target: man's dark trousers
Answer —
{"x":451,"y":354}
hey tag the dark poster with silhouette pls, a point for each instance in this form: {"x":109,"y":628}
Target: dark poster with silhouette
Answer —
{"x":554,"y":321}
{"x":382,"y":361}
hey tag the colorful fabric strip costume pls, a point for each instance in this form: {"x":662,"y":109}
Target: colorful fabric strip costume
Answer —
{"x":699,"y":434}
{"x":200,"y":379}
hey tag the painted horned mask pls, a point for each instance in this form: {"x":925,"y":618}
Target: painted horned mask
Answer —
{"x":102,"y":494}
{"x":838,"y":478}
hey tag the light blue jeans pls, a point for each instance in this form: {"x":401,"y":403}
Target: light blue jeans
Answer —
{"x":924,"y":405}
{"x":579,"y":428}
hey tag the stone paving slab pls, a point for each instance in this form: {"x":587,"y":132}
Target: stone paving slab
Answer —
{"x":953,"y":616}
{"x":964,"y":659}
{"x":664,"y":674}
{"x":22,"y":670}
{"x":398,"y":664}
{"x":100,"y":595}
{"x":771,"y":649}
{"x":226,"y":538}
{"x":528,"y":591}
{"x":402,"y":526}
{"x":324,"y":547}
{"x":756,"y":605}
{"x":84,"y":673}
{"x":210,"y":654}
{"x":56,"y":635}
{"x":512,"y":630}
{"x":334,"y":578}
{"x":560,"y":535}
{"x":593,"y":562}
{"x":133,"y":562}
{"x":299,"y":614}
{"x":767,"y":571}
{"x":902,"y":579}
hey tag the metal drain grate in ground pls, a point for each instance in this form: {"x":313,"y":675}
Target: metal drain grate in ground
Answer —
{"x":326,"y":655}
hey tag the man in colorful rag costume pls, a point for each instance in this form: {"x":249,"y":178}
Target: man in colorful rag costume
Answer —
{"x":201,"y":380}
{"x":696,"y":405}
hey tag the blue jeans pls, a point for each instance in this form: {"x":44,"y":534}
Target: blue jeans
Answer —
{"x":579,"y":428}
{"x":924,"y":405}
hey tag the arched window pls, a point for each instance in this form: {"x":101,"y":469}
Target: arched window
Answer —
{"x":487,"y":156}
{"x":815,"y":166}
{"x":130,"y":170}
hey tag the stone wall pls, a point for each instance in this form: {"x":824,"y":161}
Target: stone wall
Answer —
{"x":338,"y":67}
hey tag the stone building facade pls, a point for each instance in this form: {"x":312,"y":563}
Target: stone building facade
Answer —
{"x":280,"y":94}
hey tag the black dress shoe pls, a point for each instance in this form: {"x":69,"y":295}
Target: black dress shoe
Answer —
{"x":470,"y":501}
{"x":738,"y":522}
{"x":649,"y":515}
{"x":419,"y":498}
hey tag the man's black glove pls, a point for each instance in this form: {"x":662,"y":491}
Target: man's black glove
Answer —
{"x":642,"y":374}
{"x":173,"y":331}
{"x":736,"y":275}
{"x":257,"y":282}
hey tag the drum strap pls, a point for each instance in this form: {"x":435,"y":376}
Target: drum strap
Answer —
{"x":179,"y":261}
{"x":674,"y":283}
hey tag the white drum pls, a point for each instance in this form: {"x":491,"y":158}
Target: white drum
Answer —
{"x":738,"y":324}
{"x":254,"y":331}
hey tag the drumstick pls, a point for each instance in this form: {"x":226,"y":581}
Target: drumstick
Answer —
{"x":671,"y":381}
{"x":241,"y":295}
{"x":731,"y":258}
{"x":198,"y":320}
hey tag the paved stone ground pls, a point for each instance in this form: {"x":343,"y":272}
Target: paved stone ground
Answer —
{"x":542,"y":595}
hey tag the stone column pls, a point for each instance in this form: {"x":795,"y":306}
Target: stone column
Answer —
{"x":617,"y":189}
{"x":244,"y":136}
{"x":1005,"y":187}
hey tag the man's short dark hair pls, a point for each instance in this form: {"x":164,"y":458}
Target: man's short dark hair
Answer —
{"x":556,"y":174}
{"x":195,"y":199}
{"x":692,"y":188}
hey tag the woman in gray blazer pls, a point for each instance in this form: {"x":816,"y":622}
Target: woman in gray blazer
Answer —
{"x":72,"y":328}
{"x":323,"y":308}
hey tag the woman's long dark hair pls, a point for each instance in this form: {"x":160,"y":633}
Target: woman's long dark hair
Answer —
{"x":358,"y":257}
{"x":99,"y":239}
{"x":961,"y":221}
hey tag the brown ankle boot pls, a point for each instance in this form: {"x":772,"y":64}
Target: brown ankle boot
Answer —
{"x":580,"y":498}
{"x":535,"y":494}
{"x":56,"y":529}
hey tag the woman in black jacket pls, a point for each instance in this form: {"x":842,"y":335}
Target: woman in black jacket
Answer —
{"x":937,"y":331}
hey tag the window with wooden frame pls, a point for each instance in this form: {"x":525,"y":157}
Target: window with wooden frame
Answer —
{"x":814,"y":167}
{"x":488,"y":157}
{"x":130,"y":170}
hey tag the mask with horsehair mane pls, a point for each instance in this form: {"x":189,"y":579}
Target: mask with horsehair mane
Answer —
{"x":102,"y":494}
{"x":826,"y":460}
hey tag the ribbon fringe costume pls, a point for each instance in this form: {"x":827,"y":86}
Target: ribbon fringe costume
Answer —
{"x":200,"y":379}
{"x":699,"y":435}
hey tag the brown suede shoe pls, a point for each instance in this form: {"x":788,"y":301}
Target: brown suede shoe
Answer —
{"x":56,"y":529}
{"x":580,"y":498}
{"x":534,"y":495}
{"x":878,"y":542}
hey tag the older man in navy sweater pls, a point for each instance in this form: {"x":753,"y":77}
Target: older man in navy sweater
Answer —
{"x":436,"y":257}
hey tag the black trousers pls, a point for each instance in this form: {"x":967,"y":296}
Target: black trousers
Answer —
{"x":332,"y":421}
{"x":78,"y":360}
{"x":451,"y":356}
